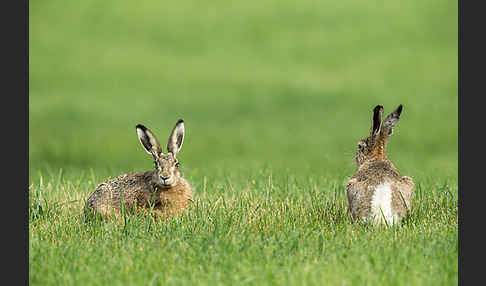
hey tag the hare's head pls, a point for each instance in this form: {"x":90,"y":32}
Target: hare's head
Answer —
{"x":167,"y":172}
{"x":373,"y":146}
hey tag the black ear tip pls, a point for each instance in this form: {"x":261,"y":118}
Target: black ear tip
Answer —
{"x":180,"y":121}
{"x":140,"y":126}
{"x":378,"y":108}
{"x":399,"y":109}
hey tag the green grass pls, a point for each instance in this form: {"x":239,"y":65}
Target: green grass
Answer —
{"x":275,"y":96}
{"x":264,"y":231}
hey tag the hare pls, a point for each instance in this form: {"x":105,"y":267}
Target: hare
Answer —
{"x":376,"y":192}
{"x":163,"y":189}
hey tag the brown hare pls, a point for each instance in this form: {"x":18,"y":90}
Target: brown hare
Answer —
{"x":376,"y":192}
{"x":163,"y":189}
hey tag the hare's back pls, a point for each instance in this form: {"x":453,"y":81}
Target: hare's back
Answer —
{"x":126,"y":187}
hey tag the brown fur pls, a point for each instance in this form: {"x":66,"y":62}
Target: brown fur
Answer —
{"x":138,"y":192}
{"x":163,"y":189}
{"x":375,"y":169}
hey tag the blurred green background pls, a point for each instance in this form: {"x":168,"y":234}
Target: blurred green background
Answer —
{"x":281,"y":85}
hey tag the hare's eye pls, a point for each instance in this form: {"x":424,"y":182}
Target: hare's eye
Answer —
{"x":177,"y":165}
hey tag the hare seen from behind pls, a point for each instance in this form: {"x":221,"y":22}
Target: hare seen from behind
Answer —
{"x":163,"y":189}
{"x":376,"y":192}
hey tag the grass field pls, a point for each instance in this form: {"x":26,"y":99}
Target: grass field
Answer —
{"x":275,"y":96}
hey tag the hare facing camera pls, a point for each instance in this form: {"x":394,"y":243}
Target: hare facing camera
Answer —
{"x":163,"y":190}
{"x":376,"y":192}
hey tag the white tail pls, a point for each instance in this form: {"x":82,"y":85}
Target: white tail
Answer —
{"x":381,"y":205}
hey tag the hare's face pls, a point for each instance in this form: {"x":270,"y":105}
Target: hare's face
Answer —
{"x":167,"y":171}
{"x":166,"y":174}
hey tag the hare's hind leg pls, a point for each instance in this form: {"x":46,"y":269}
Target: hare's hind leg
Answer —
{"x":102,"y":203}
{"x":402,"y":195}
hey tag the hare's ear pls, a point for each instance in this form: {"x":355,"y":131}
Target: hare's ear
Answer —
{"x":148,"y":141}
{"x":376,"y":121}
{"x":391,"y":120}
{"x":176,"y":138}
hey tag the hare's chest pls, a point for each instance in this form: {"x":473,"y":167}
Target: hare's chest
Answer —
{"x":381,"y":210}
{"x":173,"y":197}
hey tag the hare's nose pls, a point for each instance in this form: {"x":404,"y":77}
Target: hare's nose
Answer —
{"x":163,"y":178}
